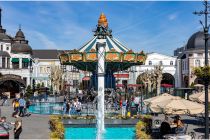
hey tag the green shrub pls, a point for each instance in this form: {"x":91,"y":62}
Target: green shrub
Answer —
{"x":57,"y":127}
{"x":143,"y":127}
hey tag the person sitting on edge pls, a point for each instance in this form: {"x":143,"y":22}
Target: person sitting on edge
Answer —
{"x":178,"y":122}
{"x":5,"y":124}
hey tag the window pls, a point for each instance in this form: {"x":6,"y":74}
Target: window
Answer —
{"x":7,"y":48}
{"x":75,"y":83}
{"x":25,"y":65}
{"x":171,"y":63}
{"x":1,"y":47}
{"x":8,"y":63}
{"x":73,"y":69}
{"x":48,"y":69}
{"x":183,"y":66}
{"x":199,"y":54}
{"x":25,"y":79}
{"x":150,"y":62}
{"x":41,"y":70}
{"x":161,"y":62}
{"x":190,"y":55}
{"x":63,"y":67}
{"x":197,"y":63}
{"x":3,"y":63}
{"x":15,"y":65}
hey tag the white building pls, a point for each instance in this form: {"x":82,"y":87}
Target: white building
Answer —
{"x":191,"y":56}
{"x":168,"y":64}
{"x":44,"y":60}
{"x":15,"y":61}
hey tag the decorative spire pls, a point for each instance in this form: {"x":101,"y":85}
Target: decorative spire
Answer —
{"x":102,"y":29}
{"x":102,"y":21}
{"x":19,"y":27}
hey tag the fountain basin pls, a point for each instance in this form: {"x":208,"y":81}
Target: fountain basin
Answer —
{"x":90,"y":132}
{"x":46,"y":108}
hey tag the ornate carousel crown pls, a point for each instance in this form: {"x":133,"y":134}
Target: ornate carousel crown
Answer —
{"x":102,"y":29}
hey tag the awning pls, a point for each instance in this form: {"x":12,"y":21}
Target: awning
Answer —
{"x":120,"y":85}
{"x":15,"y":60}
{"x":166,"y":85}
{"x":86,"y":78}
{"x":26,"y":60}
{"x":123,"y":75}
{"x":135,"y":85}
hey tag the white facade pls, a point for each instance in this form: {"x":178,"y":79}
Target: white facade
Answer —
{"x":6,"y":64}
{"x":168,"y":64}
{"x":42,"y":71}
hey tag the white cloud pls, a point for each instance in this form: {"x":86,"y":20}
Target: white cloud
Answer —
{"x":47,"y":43}
{"x":172,"y":16}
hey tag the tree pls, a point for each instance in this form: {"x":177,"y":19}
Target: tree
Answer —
{"x":42,"y":85}
{"x":56,"y":77}
{"x":29,"y":91}
{"x":202,"y":73}
{"x":38,"y":86}
{"x":158,"y":73}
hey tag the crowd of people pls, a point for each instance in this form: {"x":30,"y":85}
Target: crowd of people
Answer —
{"x":20,"y":106}
{"x":117,"y":100}
{"x":20,"y":109}
{"x":72,"y":107}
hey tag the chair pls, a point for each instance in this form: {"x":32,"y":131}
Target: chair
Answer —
{"x":201,"y":137}
{"x":192,"y":134}
{"x":200,"y":120}
{"x":165,"y":128}
{"x":181,"y":130}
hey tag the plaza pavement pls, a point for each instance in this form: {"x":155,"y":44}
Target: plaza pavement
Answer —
{"x":34,"y":127}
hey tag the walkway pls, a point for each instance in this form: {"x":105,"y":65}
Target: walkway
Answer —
{"x":34,"y":127}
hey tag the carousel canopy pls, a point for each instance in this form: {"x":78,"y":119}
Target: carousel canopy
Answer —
{"x":117,"y":56}
{"x":111,"y":44}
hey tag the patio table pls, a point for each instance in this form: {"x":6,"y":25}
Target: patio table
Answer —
{"x":177,"y":137}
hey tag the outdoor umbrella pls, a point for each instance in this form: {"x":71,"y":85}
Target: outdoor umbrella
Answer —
{"x":180,"y":106}
{"x":198,"y":97}
{"x":160,"y":98}
{"x":153,"y":102}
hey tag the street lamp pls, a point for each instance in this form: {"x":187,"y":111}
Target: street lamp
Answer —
{"x":205,"y":29}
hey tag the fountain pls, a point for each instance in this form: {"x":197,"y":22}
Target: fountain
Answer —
{"x":101,"y":69}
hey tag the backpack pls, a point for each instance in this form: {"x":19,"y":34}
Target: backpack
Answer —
{"x":132,"y":104}
{"x":124,"y":103}
{"x":17,"y":104}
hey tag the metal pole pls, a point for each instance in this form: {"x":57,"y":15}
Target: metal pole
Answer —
{"x":0,"y":17}
{"x":206,"y":81}
{"x":206,"y":29}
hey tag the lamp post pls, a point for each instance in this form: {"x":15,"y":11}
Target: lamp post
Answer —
{"x":206,"y":29}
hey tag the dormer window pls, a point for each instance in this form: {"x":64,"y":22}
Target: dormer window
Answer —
{"x":171,"y":63}
{"x":150,"y":62}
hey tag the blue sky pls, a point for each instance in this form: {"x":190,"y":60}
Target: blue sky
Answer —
{"x":150,"y":26}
